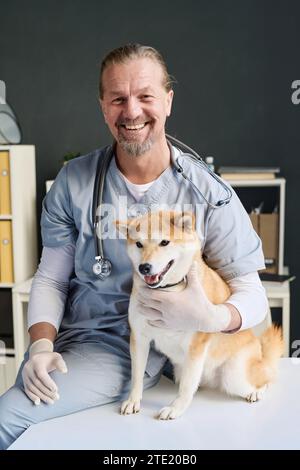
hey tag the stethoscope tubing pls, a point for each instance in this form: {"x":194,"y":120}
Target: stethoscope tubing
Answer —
{"x":197,"y":160}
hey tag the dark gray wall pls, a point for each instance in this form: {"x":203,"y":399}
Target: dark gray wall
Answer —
{"x":234,"y":62}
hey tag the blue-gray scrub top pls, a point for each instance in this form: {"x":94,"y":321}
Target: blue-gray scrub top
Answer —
{"x":94,"y":307}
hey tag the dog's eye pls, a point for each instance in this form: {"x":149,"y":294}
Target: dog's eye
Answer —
{"x":139,"y":245}
{"x":164,"y":243}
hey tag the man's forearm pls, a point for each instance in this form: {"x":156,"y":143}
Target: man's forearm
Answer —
{"x":49,"y":292}
{"x":42,"y":330}
{"x":248,"y":296}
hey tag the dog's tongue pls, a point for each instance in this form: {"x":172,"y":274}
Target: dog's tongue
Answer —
{"x":151,"y":279}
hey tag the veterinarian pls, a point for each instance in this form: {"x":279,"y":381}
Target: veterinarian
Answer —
{"x":79,"y":355}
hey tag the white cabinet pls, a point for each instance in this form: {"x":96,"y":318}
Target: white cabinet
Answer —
{"x":18,"y":212}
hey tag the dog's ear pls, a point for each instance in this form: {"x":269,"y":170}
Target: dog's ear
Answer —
{"x":184,"y":220}
{"x":122,"y":226}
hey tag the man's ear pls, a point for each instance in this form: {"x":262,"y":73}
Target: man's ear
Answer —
{"x":169,"y":102}
{"x":122,"y":227}
{"x":184,"y":220}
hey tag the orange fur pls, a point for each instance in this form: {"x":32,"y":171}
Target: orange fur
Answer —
{"x":197,"y":344}
{"x":215,"y":287}
{"x":266,"y":350}
{"x":262,"y":370}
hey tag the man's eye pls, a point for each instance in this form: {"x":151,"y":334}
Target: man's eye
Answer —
{"x":139,"y":245}
{"x":164,"y":243}
{"x":118,"y":100}
{"x":147,"y":97}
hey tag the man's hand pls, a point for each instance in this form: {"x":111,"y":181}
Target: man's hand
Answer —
{"x":188,"y":310}
{"x":38,"y":384}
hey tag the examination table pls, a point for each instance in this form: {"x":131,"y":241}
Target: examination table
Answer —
{"x":213,"y":421}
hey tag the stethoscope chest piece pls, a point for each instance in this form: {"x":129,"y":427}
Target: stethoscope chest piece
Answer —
{"x":102,"y":267}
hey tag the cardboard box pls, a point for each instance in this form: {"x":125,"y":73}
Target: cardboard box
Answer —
{"x":266,"y":226}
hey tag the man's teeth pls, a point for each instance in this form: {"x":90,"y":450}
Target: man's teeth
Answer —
{"x":133,"y":128}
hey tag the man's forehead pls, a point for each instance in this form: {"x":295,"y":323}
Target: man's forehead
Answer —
{"x":144,"y":73}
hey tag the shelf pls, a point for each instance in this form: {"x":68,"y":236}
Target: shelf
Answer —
{"x":274,"y":289}
{"x":23,"y":287}
{"x":5,"y":217}
{"x":4,"y":285}
{"x":9,"y":351}
{"x":248,"y":183}
{"x":9,"y":147}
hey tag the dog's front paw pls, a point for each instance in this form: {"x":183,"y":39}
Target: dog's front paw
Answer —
{"x":130,"y":407}
{"x":175,"y":409}
{"x":170,"y":412}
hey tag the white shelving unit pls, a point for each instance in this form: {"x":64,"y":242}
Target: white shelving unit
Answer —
{"x":22,"y":173}
{"x":279,"y":183}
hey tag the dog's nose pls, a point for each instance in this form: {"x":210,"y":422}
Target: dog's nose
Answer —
{"x":145,"y":268}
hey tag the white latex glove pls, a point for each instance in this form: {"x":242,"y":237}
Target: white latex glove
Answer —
{"x":38,"y":384}
{"x":187,"y":310}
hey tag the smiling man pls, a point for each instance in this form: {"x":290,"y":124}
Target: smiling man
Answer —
{"x":78,"y":323}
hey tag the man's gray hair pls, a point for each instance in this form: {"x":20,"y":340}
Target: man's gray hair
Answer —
{"x":135,"y":51}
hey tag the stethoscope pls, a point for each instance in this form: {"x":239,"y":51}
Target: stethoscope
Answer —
{"x":103,"y":267}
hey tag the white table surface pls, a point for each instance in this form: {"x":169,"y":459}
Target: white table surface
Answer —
{"x":214,"y":421}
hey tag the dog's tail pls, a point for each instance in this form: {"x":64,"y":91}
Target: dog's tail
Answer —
{"x":272,"y":348}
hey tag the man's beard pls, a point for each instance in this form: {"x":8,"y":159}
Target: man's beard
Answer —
{"x":135,"y":149}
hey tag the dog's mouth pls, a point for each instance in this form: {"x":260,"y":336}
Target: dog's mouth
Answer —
{"x":155,"y":279}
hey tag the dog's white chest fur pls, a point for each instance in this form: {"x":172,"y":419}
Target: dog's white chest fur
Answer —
{"x":171,"y":343}
{"x":174,"y":344}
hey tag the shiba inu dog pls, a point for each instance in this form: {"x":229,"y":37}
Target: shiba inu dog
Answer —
{"x":162,"y":246}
